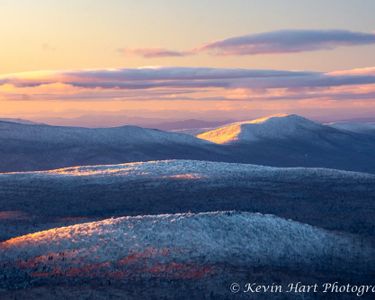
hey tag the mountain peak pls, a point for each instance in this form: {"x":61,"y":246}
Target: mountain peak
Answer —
{"x":274,"y":126}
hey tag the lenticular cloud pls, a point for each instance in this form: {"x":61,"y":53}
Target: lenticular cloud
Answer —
{"x":272,"y":42}
{"x":288,"y":41}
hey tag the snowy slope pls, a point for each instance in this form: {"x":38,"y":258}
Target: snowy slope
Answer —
{"x":293,"y":141}
{"x":190,"y":246}
{"x":38,"y":147}
{"x":326,"y":198}
{"x":189,"y":169}
{"x":273,"y":127}
{"x":115,"y":135}
{"x":281,"y":141}
{"x":354,"y":127}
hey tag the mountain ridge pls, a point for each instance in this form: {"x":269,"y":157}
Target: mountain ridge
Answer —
{"x":281,"y":141}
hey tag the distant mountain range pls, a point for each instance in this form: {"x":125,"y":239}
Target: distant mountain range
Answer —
{"x":41,"y":147}
{"x":105,"y":121}
{"x":360,"y":127}
{"x":19,"y":121}
{"x":282,"y":140}
{"x":188,"y":124}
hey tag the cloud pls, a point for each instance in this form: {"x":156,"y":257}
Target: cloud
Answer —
{"x":189,"y":77}
{"x":152,"y":77}
{"x":288,"y":41}
{"x":360,"y":71}
{"x":273,"y":42}
{"x":190,"y":84}
{"x":153,"y":52}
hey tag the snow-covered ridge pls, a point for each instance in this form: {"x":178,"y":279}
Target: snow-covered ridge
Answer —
{"x":283,"y":140}
{"x":116,"y":135}
{"x":178,"y":244}
{"x":276,"y":126}
{"x":186,"y":169}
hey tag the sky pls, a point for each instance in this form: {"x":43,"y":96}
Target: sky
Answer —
{"x":206,"y":59}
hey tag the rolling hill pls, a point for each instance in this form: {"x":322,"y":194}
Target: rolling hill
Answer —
{"x":205,"y":250}
{"x":331,"y":199}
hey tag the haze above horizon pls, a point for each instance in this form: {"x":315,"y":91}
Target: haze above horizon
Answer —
{"x":216,"y":60}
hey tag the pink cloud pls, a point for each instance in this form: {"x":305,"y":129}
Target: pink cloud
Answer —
{"x":153,"y":52}
{"x":288,"y":41}
{"x":273,"y":42}
{"x":190,"y":84}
